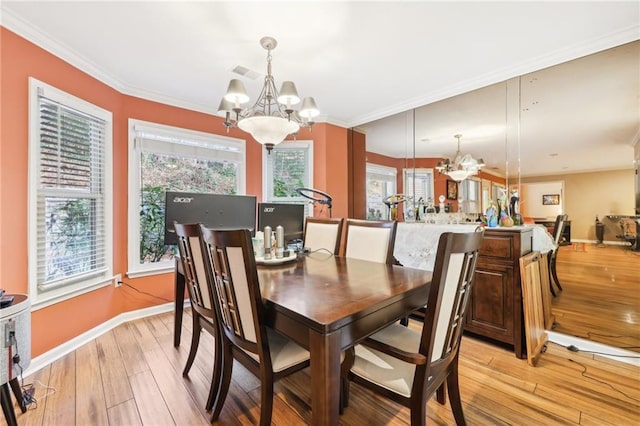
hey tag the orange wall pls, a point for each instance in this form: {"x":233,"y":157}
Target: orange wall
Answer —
{"x":54,"y":325}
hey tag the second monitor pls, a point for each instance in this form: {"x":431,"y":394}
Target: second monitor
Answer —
{"x":289,"y":216}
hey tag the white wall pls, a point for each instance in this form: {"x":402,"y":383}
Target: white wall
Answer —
{"x":531,"y":202}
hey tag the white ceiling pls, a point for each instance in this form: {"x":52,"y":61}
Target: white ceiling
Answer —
{"x":364,"y":61}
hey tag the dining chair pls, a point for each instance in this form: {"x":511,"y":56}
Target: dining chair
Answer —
{"x":557,"y":238}
{"x":201,"y":298}
{"x":231,"y":271}
{"x":409,"y":366}
{"x":323,"y":234}
{"x":370,"y":240}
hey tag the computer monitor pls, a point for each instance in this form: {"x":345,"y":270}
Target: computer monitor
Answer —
{"x":290,"y":216}
{"x":218,"y":211}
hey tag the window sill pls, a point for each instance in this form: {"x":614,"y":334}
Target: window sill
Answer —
{"x":45,"y":300}
{"x":165,"y":269}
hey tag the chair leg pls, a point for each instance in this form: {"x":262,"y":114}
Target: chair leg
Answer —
{"x":549,"y":262}
{"x":225,"y":381}
{"x":195,"y":341}
{"x":453,"y":389}
{"x":441,"y":396}
{"x":7,"y":405}
{"x":554,"y":272}
{"x":216,"y":377}
{"x":345,"y":367}
{"x":17,"y":392}
{"x":418,"y":413}
{"x":266,"y":402}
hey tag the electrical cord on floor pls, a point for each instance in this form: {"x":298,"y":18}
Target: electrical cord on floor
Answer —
{"x":584,"y":374}
{"x":144,"y":292}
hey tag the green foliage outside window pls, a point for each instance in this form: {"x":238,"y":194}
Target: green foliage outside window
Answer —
{"x":165,"y":172}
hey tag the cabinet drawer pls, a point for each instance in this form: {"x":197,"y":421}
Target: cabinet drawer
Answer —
{"x":497,"y":246}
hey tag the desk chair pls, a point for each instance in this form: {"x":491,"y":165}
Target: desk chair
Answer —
{"x":202,"y":301}
{"x":557,"y":237}
{"x":370,"y":240}
{"x":322,"y":233}
{"x":409,"y":366}
{"x":231,"y":272}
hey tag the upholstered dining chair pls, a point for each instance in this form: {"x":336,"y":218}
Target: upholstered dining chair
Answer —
{"x":201,"y":298}
{"x":558,"y":229}
{"x":231,"y":271}
{"x":409,"y":366}
{"x":370,"y":240}
{"x":323,"y":233}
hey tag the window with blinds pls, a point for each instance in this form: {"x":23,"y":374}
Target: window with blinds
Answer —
{"x":164,"y":158}
{"x":289,"y":166}
{"x":70,"y":199}
{"x":381,"y":183}
{"x":470,"y":194}
{"x":418,"y":183}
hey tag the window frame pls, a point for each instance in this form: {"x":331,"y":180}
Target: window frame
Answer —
{"x":98,"y":278}
{"x":391,"y":172}
{"x":207,"y":140}
{"x":267,"y":176}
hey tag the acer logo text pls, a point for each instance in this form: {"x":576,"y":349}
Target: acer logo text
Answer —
{"x":185,"y":200}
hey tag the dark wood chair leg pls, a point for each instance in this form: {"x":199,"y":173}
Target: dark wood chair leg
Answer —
{"x":7,"y":405}
{"x":225,"y":381}
{"x":17,"y":391}
{"x":441,"y":395}
{"x":554,"y":272}
{"x":216,"y":378}
{"x":195,"y":341}
{"x":453,"y":389}
{"x":550,"y":262}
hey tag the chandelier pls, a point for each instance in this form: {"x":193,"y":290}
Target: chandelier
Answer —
{"x":462,"y":166}
{"x":271,"y":119}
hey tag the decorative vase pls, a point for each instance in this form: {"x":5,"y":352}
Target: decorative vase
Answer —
{"x":505,"y":220}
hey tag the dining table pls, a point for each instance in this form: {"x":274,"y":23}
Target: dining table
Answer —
{"x":327,"y":304}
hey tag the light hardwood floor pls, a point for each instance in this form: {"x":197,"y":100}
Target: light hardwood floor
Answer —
{"x":132,"y":375}
{"x":601,"y":297}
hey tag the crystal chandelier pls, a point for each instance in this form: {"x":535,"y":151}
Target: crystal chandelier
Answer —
{"x":462,"y":166}
{"x":271,"y":119}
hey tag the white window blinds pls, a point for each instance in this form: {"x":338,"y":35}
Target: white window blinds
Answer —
{"x":72,"y":242}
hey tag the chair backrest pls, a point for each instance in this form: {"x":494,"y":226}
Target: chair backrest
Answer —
{"x":232,"y":272}
{"x":323,"y":233}
{"x":559,"y":227}
{"x":451,"y":287}
{"x":370,"y":240}
{"x":193,"y":266}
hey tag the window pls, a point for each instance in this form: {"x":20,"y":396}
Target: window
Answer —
{"x":70,"y":235}
{"x":164,"y":158}
{"x":470,"y":194}
{"x":289,"y":166}
{"x":381,"y":183}
{"x":418,"y":183}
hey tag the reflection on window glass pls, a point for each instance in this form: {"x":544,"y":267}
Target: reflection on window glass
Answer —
{"x":418,"y":184}
{"x":381,"y":183}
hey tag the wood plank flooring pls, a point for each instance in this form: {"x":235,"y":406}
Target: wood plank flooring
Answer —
{"x":601,"y":297}
{"x":132,"y":375}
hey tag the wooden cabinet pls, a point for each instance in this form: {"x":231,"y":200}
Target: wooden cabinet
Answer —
{"x":495,"y":309}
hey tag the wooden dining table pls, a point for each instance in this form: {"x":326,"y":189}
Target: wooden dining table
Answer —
{"x":327,"y":304}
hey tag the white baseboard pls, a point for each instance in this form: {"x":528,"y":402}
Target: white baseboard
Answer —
{"x":605,"y":243}
{"x":69,"y":346}
{"x":617,"y":354}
